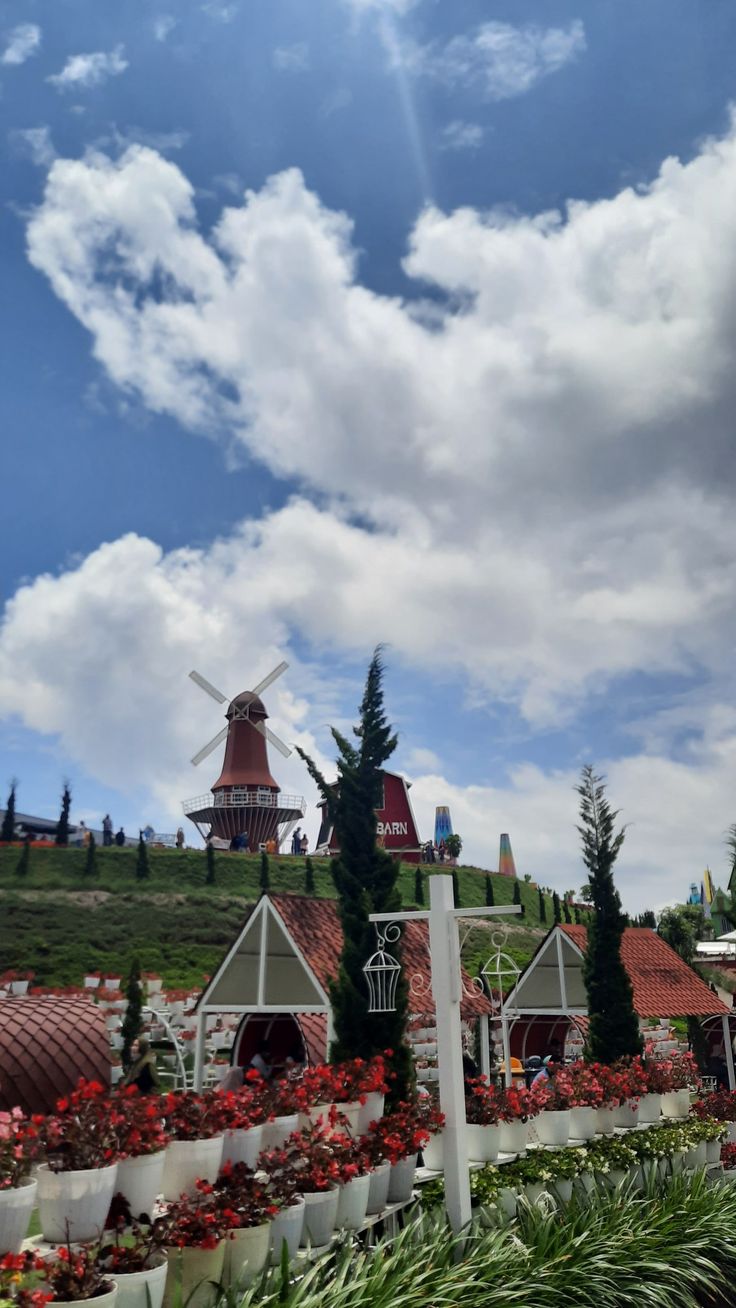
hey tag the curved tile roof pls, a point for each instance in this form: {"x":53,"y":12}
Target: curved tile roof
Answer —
{"x":46,"y":1044}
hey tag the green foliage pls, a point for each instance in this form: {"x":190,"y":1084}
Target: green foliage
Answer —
{"x":142,"y":867}
{"x":62,"y":826}
{"x":682,"y":928}
{"x":265,"y":879}
{"x":7,"y":830}
{"x":419,"y":886}
{"x":453,"y":845}
{"x":517,"y":896}
{"x":566,"y":911}
{"x":456,"y":890}
{"x":209,"y":879}
{"x":133,"y":1020}
{"x":556,"y":909}
{"x":647,"y":919}
{"x":90,"y":862}
{"x":613,"y":1030}
{"x":542,"y":906}
{"x":24,"y":860}
{"x":366,"y":879}
{"x":576,"y":911}
{"x":490,"y":902}
{"x":309,"y":876}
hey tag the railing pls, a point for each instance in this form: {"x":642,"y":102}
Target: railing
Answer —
{"x":244,"y":799}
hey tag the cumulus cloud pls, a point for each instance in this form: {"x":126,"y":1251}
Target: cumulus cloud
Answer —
{"x":461,"y":136}
{"x":163,"y":26}
{"x":381,"y":6}
{"x":22,"y":42}
{"x":291,"y":58}
{"x":500,"y":60}
{"x":87,"y":70}
{"x":36,"y":143}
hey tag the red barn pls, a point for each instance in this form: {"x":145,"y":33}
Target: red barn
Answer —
{"x":396,"y":824}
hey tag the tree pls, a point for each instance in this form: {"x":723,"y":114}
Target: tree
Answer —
{"x":542,"y":906}
{"x":142,"y":869}
{"x":566,"y":910}
{"x":309,"y":885}
{"x":647,"y":919}
{"x":24,"y":861}
{"x":586,"y":893}
{"x":682,"y":928}
{"x":613,"y":1027}
{"x":209,"y":879}
{"x":133,"y":1020}
{"x":490,"y":901}
{"x":456,"y":890}
{"x":90,"y":863}
{"x":556,"y":910}
{"x":576,"y":912}
{"x":453,"y":845}
{"x":7,"y":830}
{"x":264,"y":880}
{"x":366,"y":880}
{"x":419,"y":886}
{"x":62,"y":826}
{"x":516,"y":898}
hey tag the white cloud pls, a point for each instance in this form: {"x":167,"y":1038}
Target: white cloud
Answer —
{"x":292,"y":58}
{"x":221,"y":10}
{"x":336,"y":100}
{"x":163,"y":26}
{"x":22,"y":42}
{"x":36,"y":143}
{"x":90,"y":69}
{"x":381,"y":6}
{"x":500,"y":59}
{"x":461,"y":136}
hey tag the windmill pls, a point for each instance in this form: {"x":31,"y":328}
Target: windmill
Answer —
{"x":245,"y":800}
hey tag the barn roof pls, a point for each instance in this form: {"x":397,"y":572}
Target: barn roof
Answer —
{"x":46,"y":1044}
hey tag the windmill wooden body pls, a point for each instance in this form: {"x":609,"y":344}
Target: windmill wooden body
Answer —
{"x":245,"y":800}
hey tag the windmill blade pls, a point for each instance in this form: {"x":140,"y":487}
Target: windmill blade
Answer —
{"x":209,"y":748}
{"x":269,"y":680}
{"x":273,"y":738}
{"x":207,"y":685}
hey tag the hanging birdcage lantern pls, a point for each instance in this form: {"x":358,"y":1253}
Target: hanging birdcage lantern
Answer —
{"x":382,"y":974}
{"x":500,"y":972}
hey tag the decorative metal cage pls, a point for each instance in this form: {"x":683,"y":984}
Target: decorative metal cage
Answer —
{"x":382,"y":973}
{"x":500,"y":972}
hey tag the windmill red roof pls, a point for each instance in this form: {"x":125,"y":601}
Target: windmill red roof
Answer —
{"x":664,"y":986}
{"x":314,"y":926}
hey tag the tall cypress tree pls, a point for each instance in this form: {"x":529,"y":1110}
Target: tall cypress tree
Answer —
{"x":309,"y":885}
{"x":7,"y":830}
{"x":264,"y":880}
{"x":456,"y":889}
{"x":542,"y":906}
{"x":490,"y":902}
{"x":133,"y":1020}
{"x":419,"y":886}
{"x":142,"y":869}
{"x":209,"y":856}
{"x":613,"y":1030}
{"x":516,"y":898}
{"x":566,"y":911}
{"x":62,"y":826}
{"x":576,"y":911}
{"x":24,"y":861}
{"x":90,"y":863}
{"x":366,"y":880}
{"x":556,"y":910}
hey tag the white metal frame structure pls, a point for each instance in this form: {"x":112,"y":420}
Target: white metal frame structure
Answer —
{"x":264,"y":972}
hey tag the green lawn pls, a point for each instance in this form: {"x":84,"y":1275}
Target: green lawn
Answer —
{"x":60,"y":922}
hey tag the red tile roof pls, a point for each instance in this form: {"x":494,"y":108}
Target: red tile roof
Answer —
{"x":46,"y":1044}
{"x":664,"y":986}
{"x":314,"y":926}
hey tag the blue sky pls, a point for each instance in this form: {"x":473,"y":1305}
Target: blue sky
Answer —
{"x":383,"y":396}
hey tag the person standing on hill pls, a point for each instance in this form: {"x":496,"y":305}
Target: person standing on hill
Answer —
{"x":107,"y":830}
{"x":120,"y":838}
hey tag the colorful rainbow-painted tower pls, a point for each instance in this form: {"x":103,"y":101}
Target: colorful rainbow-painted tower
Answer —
{"x":442,"y":824}
{"x":506,"y":865}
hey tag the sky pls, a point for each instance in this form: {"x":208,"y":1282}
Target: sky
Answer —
{"x":330,"y":323}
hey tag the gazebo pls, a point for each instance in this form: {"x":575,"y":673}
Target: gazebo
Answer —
{"x":277,"y":974}
{"x":549,"y":996}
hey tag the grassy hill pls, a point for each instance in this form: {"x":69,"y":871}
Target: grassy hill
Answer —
{"x":60,"y":922}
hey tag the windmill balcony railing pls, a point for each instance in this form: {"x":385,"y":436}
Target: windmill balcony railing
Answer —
{"x":240,"y":798}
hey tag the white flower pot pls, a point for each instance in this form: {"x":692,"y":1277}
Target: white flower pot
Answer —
{"x":319,"y":1113}
{"x":483,"y":1143}
{"x":434,"y":1154}
{"x":583,"y":1123}
{"x":190,"y":1160}
{"x":195,"y":1276}
{"x":77,"y":1200}
{"x":401,"y":1182}
{"x":650,"y":1108}
{"x":676,"y":1103}
{"x":553,"y":1126}
{"x":663,"y":1168}
{"x":91,"y":982}
{"x":352,"y":1111}
{"x":140,"y":1181}
{"x":697,"y":1156}
{"x":320,"y":1216}
{"x":100,"y":1300}
{"x":713,"y":1151}
{"x":353,"y":1203}
{"x":378,"y":1189}
{"x":606,"y":1118}
{"x":246,"y":1254}
{"x":16,"y":1206}
{"x":243,"y":1145}
{"x":534,"y":1192}
{"x":513,"y":1137}
{"x":279,"y":1130}
{"x":508,"y":1201}
{"x":677,"y":1161}
{"x":287,"y":1226}
{"x":627,"y":1114}
{"x":616,"y":1177}
{"x":563,"y":1189}
{"x":153,"y":985}
{"x":142,"y":1289}
{"x":370,"y":1111}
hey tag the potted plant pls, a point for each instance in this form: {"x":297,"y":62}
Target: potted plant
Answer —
{"x":313,"y":1159}
{"x":137,"y":1263}
{"x":77,"y":1180}
{"x":355,"y":1182}
{"x":19,"y":1279}
{"x":194,"y":1125}
{"x":249,"y":1210}
{"x":491,"y":1189}
{"x":283,"y":1101}
{"x":288,"y":1223}
{"x":555,"y":1096}
{"x":517,"y":1107}
{"x":482,"y":1114}
{"x":684,"y":1076}
{"x":531,"y":1175}
{"x":242,"y":1115}
{"x":722,"y":1106}
{"x":193,"y":1231}
{"x":400,"y":1136}
{"x":612,"y":1159}
{"x":17,"y":1190}
{"x":586,"y":1098}
{"x":72,"y":1275}
{"x":141,"y":1142}
{"x":565,"y":1166}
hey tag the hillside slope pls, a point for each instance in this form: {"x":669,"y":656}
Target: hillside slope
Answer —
{"x":59,"y":922}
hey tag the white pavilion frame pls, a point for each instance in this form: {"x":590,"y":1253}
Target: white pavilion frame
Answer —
{"x":264,"y":972}
{"x":552,"y":988}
